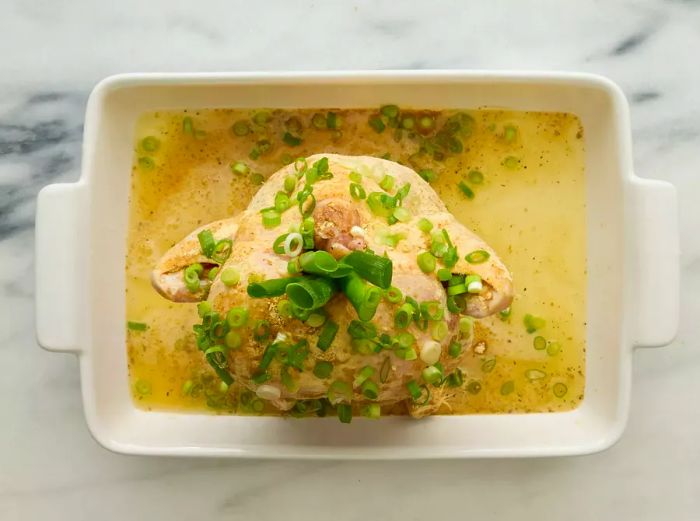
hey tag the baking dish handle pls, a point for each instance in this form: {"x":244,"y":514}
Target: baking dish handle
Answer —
{"x":654,"y":263}
{"x":60,"y":228}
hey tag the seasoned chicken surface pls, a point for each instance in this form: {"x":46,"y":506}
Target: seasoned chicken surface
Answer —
{"x":342,"y":223}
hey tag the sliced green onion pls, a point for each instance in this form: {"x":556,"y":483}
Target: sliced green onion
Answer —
{"x":511,"y":162}
{"x":278,"y":245}
{"x":281,"y":202}
{"x":140,"y":326}
{"x":230,"y":276}
{"x":307,"y":204}
{"x":393,"y":295}
{"x":426,"y":123}
{"x":293,"y":267}
{"x":507,"y":387}
{"x":284,"y":308}
{"x":257,"y":179}
{"x":456,"y":290}
{"x":466,"y":190}
{"x":432,"y":310}
{"x":355,"y":289}
{"x":207,"y":242}
{"x":534,"y":374}
{"x":344,"y":413}
{"x":401,"y":214}
{"x":456,"y":379}
{"x":318,"y":121}
{"x":370,"y":390}
{"x":355,"y":177}
{"x":309,"y":293}
{"x":293,"y":244}
{"x":475,"y":177}
{"x":424,"y":225}
{"x":323,"y":369}
{"x":290,"y":183}
{"x":261,"y":330}
{"x":403,"y":192}
{"x":240,"y":127}
{"x":466,"y":325}
{"x":450,"y":258}
{"x":187,"y":387}
{"x":510,"y":133}
{"x":297,"y":312}
{"x":213,"y":272}
{"x":222,"y":251}
{"x":333,"y":120}
{"x":150,"y":143}
{"x":454,"y":349}
{"x":233,"y":340}
{"x":270,"y":288}
{"x":268,"y":356}
{"x":371,"y":267}
{"x":291,"y":140}
{"x":318,"y":262}
{"x":339,"y":392}
{"x":408,"y":122}
{"x":428,"y":175}
{"x":387,"y":183}
{"x":539,"y":343}
{"x":204,"y":308}
{"x":457,"y":279}
{"x":488,"y":365}
{"x":559,"y":389}
{"x":271,"y":218}
{"x":316,"y":320}
{"x":444,"y":275}
{"x":431,"y":375}
{"x":406,"y":353}
{"x":553,"y":348}
{"x":505,"y":314}
{"x":362,"y":330}
{"x":390,"y":111}
{"x":357,"y":192}
{"x":474,"y":387}
{"x":261,"y":117}
{"x":240,"y":168}
{"x":237,"y":317}
{"x":188,"y":126}
{"x":413,"y":389}
{"x":455,"y":304}
{"x":362,"y":375}
{"x":191,"y":275}
{"x":372,"y":411}
{"x":403,"y":316}
{"x":405,"y":339}
{"x":426,"y":262}
{"x":327,"y":335}
{"x":477,"y":257}
{"x":533,"y":323}
{"x":307,"y":232}
{"x":440,"y":331}
{"x":376,"y":203}
{"x":377,"y":124}
{"x":474,"y":284}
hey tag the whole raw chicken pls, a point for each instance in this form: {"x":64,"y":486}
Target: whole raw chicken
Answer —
{"x":383,"y":366}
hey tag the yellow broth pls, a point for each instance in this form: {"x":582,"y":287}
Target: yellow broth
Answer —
{"x":528,"y":204}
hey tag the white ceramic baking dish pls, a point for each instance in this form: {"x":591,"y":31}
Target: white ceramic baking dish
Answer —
{"x":632,"y":268}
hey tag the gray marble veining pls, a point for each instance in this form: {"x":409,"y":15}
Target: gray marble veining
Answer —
{"x":54,"y":52}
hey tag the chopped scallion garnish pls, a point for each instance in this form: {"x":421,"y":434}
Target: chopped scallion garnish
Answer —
{"x":426,"y":262}
{"x":371,"y":267}
{"x":136,"y":326}
{"x":477,"y":257}
{"x":327,"y":335}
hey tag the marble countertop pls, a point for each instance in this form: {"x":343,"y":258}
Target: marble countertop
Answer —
{"x":54,"y":52}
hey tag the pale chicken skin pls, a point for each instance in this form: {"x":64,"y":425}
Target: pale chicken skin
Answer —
{"x":342,"y":224}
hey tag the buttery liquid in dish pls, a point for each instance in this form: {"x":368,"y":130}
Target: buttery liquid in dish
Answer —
{"x":514,"y":178}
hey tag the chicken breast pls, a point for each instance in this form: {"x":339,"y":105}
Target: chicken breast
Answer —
{"x":342,"y":224}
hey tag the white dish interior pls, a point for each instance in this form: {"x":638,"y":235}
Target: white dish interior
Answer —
{"x":81,"y":233}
